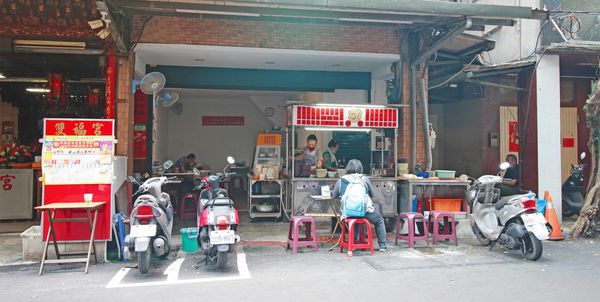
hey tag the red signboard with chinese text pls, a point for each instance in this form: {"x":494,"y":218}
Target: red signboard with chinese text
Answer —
{"x":140,"y":119}
{"x":346,"y":116}
{"x":513,"y":137}
{"x":77,"y":160}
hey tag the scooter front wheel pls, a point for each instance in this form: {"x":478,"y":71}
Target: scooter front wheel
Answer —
{"x":479,"y":235}
{"x":532,"y":247}
{"x":143,"y":260}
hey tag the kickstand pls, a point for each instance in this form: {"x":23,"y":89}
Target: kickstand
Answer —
{"x":205,"y":260}
{"x":492,"y":245}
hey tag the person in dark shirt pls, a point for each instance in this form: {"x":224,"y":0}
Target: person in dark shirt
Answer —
{"x":510,"y":184}
{"x":185,"y":164}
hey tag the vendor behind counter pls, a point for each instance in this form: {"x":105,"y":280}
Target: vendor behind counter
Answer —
{"x":310,"y":159}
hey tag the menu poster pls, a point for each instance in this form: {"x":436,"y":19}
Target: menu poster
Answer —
{"x":77,"y":159}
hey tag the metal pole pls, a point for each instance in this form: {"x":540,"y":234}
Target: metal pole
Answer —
{"x":425,"y":112}
{"x":413,"y":117}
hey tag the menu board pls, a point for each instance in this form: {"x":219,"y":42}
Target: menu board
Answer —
{"x":77,"y":159}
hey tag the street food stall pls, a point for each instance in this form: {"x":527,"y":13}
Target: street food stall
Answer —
{"x":379,"y":123}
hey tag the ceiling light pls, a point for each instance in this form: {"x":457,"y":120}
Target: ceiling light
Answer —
{"x":199,"y":60}
{"x":453,"y":85}
{"x":336,"y":65}
{"x":375,"y":21}
{"x":337,"y":129}
{"x":588,"y":64}
{"x":2,"y":76}
{"x":211,"y":12}
{"x":37,"y":90}
{"x":44,"y":43}
{"x":96,"y":24}
{"x":269,"y":63}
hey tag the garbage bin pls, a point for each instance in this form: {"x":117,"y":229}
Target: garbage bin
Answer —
{"x":189,"y":241}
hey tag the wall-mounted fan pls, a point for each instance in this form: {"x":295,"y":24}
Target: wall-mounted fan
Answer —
{"x":153,"y":83}
{"x":167,"y":98}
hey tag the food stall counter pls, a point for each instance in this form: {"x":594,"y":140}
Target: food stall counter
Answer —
{"x":429,"y":189}
{"x":384,"y":190}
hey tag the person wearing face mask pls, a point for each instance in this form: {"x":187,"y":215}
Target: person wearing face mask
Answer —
{"x":329,"y":160}
{"x":311,"y":156}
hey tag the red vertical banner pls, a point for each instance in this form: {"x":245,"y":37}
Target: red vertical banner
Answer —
{"x":513,"y":136}
{"x":140,"y":119}
{"x":111,"y":84}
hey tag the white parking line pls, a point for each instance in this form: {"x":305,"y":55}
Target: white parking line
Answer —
{"x":172,"y":271}
{"x":244,"y":273}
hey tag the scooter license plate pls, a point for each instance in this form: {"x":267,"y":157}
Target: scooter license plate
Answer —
{"x":536,"y":223}
{"x":222,"y":237}
{"x":145,"y":230}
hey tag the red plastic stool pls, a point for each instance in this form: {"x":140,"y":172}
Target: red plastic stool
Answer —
{"x":363,"y":243}
{"x":310,"y":238}
{"x":410,"y":218}
{"x":449,"y":226}
{"x":188,"y":207}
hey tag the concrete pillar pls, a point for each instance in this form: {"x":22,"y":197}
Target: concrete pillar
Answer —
{"x":124,"y":116}
{"x":548,"y":128}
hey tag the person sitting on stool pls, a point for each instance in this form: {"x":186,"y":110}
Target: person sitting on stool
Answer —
{"x":354,"y":169}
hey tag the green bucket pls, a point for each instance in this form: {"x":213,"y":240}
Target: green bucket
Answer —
{"x":189,"y":241}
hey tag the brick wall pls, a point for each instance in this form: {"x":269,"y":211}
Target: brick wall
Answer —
{"x":404,"y":141}
{"x":244,"y":33}
{"x":124,"y":114}
{"x":261,"y":34}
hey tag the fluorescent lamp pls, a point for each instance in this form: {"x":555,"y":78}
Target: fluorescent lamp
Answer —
{"x":212,"y":12}
{"x":350,"y":105}
{"x":2,"y":76}
{"x":37,"y":90}
{"x":375,"y":21}
{"x":337,"y":129}
{"x":44,"y":43}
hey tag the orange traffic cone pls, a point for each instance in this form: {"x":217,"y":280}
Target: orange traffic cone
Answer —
{"x":552,"y":219}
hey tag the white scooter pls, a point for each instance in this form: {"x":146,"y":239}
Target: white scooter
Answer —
{"x":151,"y":221}
{"x":511,"y":221}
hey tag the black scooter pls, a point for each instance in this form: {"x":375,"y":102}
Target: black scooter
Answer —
{"x":572,"y":190}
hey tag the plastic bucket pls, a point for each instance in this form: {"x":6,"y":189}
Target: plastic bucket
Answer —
{"x":189,"y":241}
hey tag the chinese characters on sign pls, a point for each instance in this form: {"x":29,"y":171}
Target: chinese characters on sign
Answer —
{"x":5,"y":180}
{"x":78,"y":151}
{"x":350,"y":117}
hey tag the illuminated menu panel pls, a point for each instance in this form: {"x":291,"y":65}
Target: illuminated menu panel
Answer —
{"x":349,"y":117}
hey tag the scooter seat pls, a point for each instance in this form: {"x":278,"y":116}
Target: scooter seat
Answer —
{"x":504,"y":200}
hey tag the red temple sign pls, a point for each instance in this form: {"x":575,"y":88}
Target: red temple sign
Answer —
{"x":346,"y":116}
{"x":70,"y":127}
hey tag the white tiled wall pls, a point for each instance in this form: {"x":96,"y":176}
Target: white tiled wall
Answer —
{"x":9,"y":113}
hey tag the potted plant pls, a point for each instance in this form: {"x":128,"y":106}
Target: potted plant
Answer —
{"x":23,"y":154}
{"x":7,"y":153}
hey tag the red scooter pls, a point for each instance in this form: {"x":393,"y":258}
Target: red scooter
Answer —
{"x":217,"y":219}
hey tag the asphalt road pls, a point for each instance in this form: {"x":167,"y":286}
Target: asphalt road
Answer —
{"x":568,"y":270}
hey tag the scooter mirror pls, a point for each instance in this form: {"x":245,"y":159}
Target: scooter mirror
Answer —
{"x":230,"y":160}
{"x":504,"y":166}
{"x":582,"y":156}
{"x":131,"y":179}
{"x":168,"y":164}
{"x":196,"y":171}
{"x":463,"y":177}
